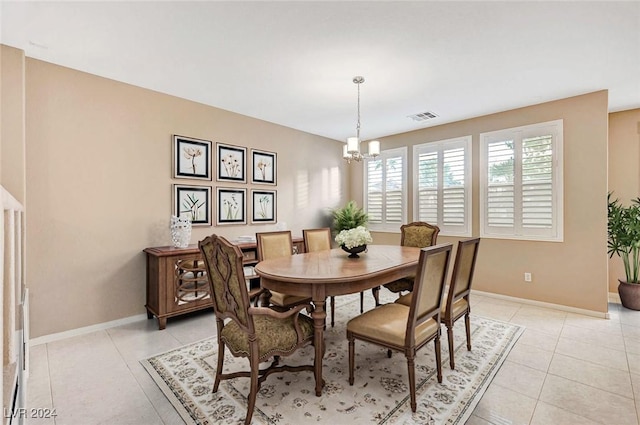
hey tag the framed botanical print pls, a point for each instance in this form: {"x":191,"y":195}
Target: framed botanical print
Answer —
{"x":193,"y":202}
{"x":263,"y":206}
{"x":263,"y":167}
{"x":231,"y":205}
{"x":231,"y":163}
{"x":191,"y":158}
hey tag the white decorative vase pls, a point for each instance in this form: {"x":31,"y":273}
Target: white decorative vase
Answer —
{"x":180,"y":231}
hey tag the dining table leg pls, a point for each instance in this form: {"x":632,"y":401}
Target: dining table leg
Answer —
{"x":319,"y":315}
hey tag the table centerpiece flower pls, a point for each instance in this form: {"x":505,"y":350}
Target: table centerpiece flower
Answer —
{"x":354,"y":240}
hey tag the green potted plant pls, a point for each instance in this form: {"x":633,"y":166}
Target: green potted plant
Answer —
{"x":349,"y":217}
{"x":623,"y":231}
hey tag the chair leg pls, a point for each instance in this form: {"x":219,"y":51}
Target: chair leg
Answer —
{"x":253,"y":391}
{"x":333,"y":311}
{"x":216,"y":383}
{"x":438,"y":359}
{"x":361,"y":302}
{"x":389,"y":353}
{"x":352,"y":357}
{"x":376,"y":295}
{"x":412,"y":382}
{"x":452,"y":362}
{"x":467,"y":325}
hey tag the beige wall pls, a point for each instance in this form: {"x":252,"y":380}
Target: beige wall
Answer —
{"x":624,"y":171}
{"x":573,"y":272}
{"x":99,"y":184}
{"x":12,"y":124}
{"x":12,"y":151}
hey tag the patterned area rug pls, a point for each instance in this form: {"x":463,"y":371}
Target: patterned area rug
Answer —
{"x":380,"y":394}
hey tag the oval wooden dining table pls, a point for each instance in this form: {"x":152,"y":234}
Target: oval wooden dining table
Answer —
{"x":322,"y":274}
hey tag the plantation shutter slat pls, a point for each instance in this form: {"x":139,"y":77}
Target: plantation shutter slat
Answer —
{"x":501,"y":191}
{"x":453,"y":188}
{"x":537,"y":182}
{"x":428,"y":187}
{"x":394,"y":190}
{"x":374,"y":191}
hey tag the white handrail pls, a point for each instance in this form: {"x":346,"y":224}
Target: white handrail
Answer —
{"x":14,"y":348}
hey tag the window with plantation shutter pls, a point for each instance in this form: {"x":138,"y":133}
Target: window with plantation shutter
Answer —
{"x":521,"y":183}
{"x":442,"y":182}
{"x":385,"y":195}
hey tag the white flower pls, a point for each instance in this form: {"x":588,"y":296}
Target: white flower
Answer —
{"x":354,"y":237}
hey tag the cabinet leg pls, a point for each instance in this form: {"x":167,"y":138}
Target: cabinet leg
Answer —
{"x":149,"y":315}
{"x":162,"y":323}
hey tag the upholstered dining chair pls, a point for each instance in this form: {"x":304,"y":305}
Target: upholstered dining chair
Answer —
{"x":457,"y":303}
{"x":407,"y":329}
{"x":320,"y":240}
{"x":275,"y":245}
{"x":418,"y":234}
{"x":258,"y":333}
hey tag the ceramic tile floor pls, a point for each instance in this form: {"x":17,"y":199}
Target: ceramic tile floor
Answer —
{"x":566,"y":369}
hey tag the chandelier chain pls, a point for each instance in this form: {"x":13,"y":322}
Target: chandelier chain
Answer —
{"x":358,"y":81}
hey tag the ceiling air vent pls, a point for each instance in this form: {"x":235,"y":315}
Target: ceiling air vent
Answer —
{"x":423,"y":116}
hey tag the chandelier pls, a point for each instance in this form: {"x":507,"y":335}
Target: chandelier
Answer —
{"x":351,"y":151}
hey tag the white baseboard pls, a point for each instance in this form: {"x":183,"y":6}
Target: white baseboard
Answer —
{"x":87,"y":329}
{"x":614,"y":297}
{"x":544,"y":304}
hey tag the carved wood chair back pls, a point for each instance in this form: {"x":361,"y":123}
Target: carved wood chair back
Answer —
{"x":258,"y":333}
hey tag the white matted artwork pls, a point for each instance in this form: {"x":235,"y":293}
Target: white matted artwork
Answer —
{"x":263,"y":206}
{"x":263,"y":167}
{"x":231,"y":205}
{"x":231,"y":163}
{"x":193,"y":202}
{"x":191,"y":158}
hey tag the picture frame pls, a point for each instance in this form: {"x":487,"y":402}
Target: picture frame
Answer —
{"x":264,"y":167}
{"x":231,"y":205}
{"x":191,"y":158}
{"x":193,"y":201}
{"x":231,"y":163}
{"x":263,"y":206}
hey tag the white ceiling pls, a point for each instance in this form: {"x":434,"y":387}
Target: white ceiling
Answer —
{"x":292,"y":63}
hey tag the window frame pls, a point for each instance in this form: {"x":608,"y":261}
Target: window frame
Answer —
{"x":517,"y":134}
{"x":384,"y":156}
{"x":440,"y":146}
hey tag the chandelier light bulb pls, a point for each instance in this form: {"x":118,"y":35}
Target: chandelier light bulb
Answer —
{"x":374,"y":148}
{"x":352,"y":145}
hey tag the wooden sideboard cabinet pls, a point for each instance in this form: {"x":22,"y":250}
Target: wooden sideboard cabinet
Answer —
{"x":177,"y":282}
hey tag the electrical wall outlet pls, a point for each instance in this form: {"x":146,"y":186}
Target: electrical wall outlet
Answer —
{"x":527,"y":277}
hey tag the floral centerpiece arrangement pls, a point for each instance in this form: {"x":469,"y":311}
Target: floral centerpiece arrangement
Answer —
{"x":352,"y":238}
{"x":354,"y":241}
